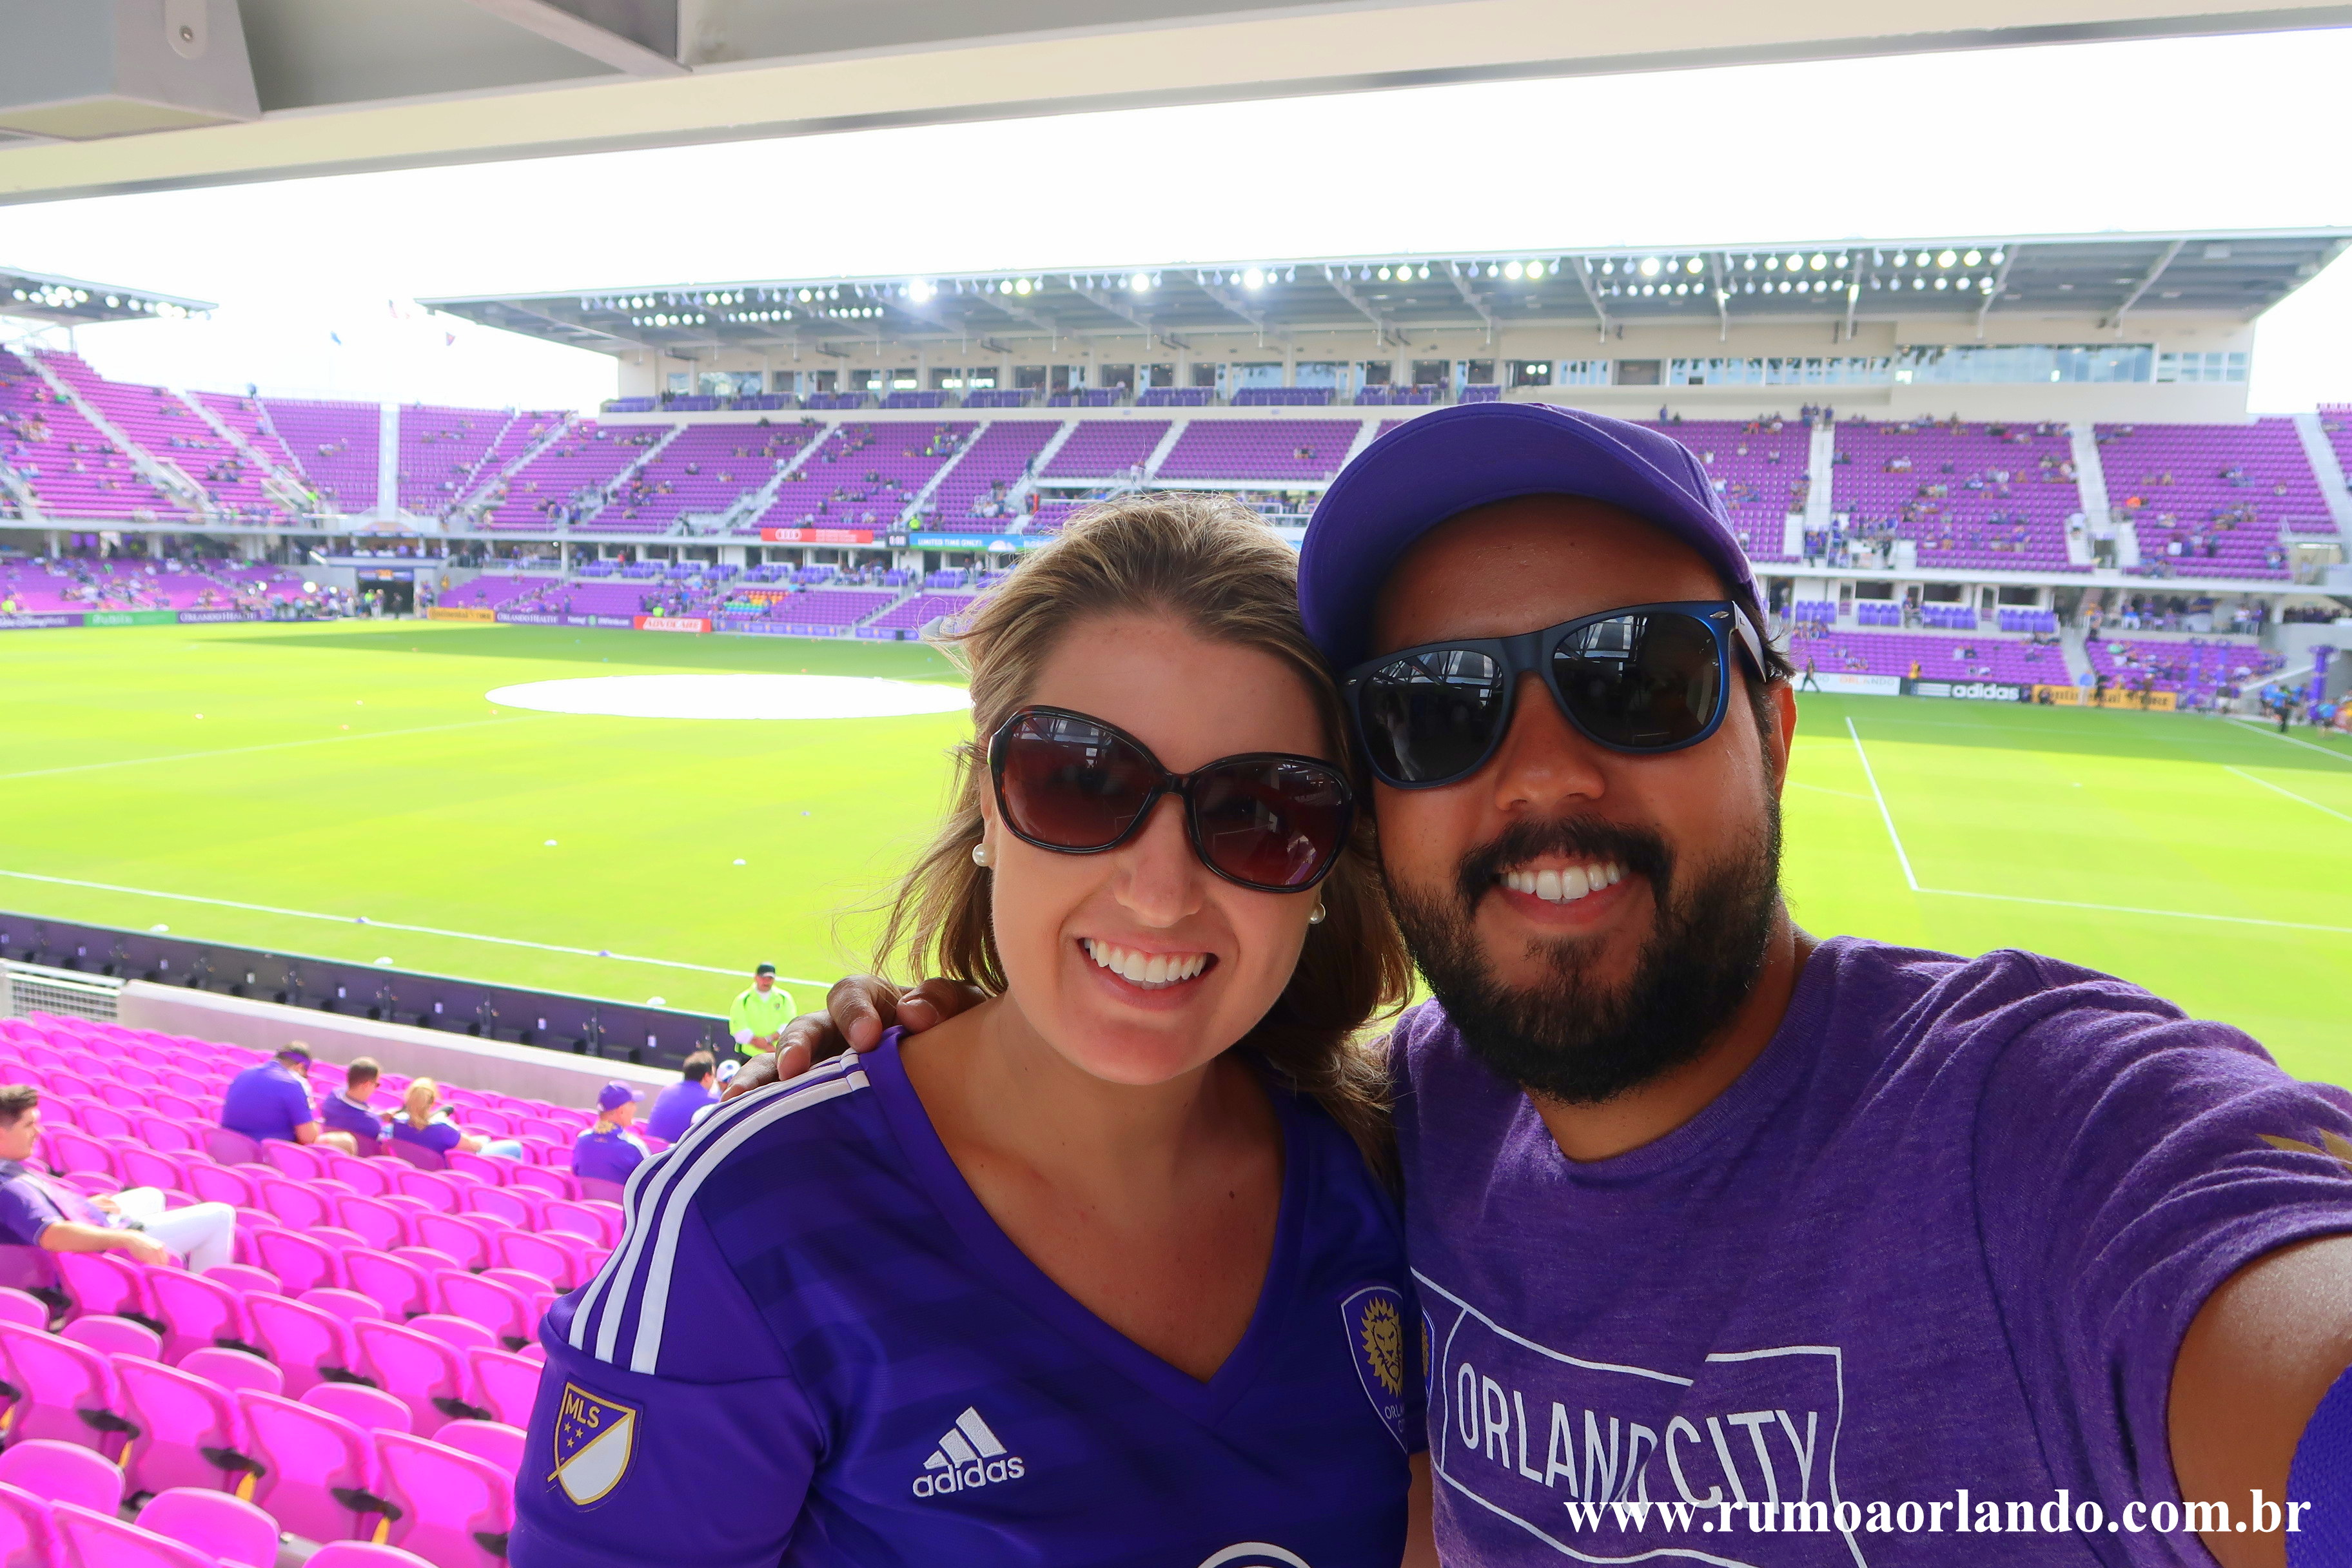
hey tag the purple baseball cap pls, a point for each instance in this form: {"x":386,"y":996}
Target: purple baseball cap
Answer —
{"x":1441,"y":464}
{"x":613,"y":1096}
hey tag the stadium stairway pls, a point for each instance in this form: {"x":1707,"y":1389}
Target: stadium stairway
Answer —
{"x":286,"y":489}
{"x":165,"y":476}
{"x":1159,"y":455}
{"x":2071,"y":640}
{"x":2328,"y":469}
{"x":495,"y":471}
{"x":613,"y":485}
{"x":1821,"y":458}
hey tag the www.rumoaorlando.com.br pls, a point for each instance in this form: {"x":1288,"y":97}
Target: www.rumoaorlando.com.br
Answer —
{"x":1959,"y":1515}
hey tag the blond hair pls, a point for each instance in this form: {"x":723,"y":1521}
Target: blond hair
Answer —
{"x":1208,"y":563}
{"x":416,"y":1103}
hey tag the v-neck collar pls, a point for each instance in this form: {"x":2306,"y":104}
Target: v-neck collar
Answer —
{"x":1013,"y":1270}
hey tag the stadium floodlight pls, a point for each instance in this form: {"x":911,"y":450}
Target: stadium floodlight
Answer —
{"x":1842,"y":259}
{"x":919,"y":289}
{"x":1772,"y":264}
{"x":1650,"y":266}
{"x":1820,"y":261}
{"x":1901,"y":260}
{"x":1382,"y":275}
{"x":1973,"y":257}
{"x":1535,"y":269}
{"x":1942,"y":282}
{"x":1141,"y":282}
{"x":1512,"y":269}
{"x":1999,"y":257}
{"x":1946,"y":259}
{"x":1694,"y":265}
{"x":1424,"y":273}
{"x":1253,"y":278}
{"x":1919,"y":282}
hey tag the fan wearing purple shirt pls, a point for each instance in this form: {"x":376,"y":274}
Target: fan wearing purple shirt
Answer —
{"x":608,"y":1150}
{"x":1098,"y":1274}
{"x":347,"y":1111}
{"x":1735,"y":1245}
{"x":674,"y":1107}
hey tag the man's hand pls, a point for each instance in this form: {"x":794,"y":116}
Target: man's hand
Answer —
{"x":858,"y":1009}
{"x":105,"y":1204}
{"x":145,"y":1248}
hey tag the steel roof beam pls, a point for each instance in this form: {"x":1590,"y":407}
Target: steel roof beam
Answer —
{"x":2148,"y":281}
{"x":1999,"y":284}
{"x":648,"y":48}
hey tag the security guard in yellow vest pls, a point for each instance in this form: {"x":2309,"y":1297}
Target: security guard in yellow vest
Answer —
{"x":760,"y":1013}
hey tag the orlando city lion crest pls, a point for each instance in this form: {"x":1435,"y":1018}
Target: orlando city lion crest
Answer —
{"x":1375,"y":1322}
{"x":595,"y":1439}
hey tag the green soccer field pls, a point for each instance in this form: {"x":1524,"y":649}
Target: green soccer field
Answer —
{"x":269,"y":785}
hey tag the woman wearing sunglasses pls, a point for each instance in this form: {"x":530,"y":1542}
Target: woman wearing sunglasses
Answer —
{"x":1100,"y":1272}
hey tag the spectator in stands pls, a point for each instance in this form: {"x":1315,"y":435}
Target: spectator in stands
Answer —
{"x":345,"y":1114}
{"x":674,"y":1107}
{"x":758,"y":1013}
{"x":272,"y":1100}
{"x":608,"y":1151}
{"x":37,"y":1212}
{"x":423,"y":1120}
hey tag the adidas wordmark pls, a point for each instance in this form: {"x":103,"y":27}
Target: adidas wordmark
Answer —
{"x":968,"y":1456}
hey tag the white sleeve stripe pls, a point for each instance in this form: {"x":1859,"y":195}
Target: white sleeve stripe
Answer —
{"x":650,"y":1183}
{"x":654,"y":1301}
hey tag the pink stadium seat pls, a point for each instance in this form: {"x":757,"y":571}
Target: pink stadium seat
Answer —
{"x":243,"y":1277}
{"x":145,"y":1167}
{"x":251,"y":1223}
{"x":363,"y":1554}
{"x":561,"y":1260}
{"x":432,"y":1188}
{"x":369,"y":1409}
{"x":101,"y":1283}
{"x":69,"y":1150}
{"x":114,"y":1336}
{"x":351,"y":1306}
{"x":508,"y":1383}
{"x":427,"y":1375}
{"x":497,"y":1306}
{"x":399,"y":1287}
{"x":319,"y":1475}
{"x":488,"y":1169}
{"x":28,"y":1531}
{"x":165,"y":1132}
{"x":131,"y":1072}
{"x":239,"y":1534}
{"x":62,"y":1472}
{"x":22,"y":1307}
{"x":105,"y":1118}
{"x":95,"y":1541}
{"x":197,"y":1311}
{"x":431,"y":1259}
{"x":306,"y":1342}
{"x":457,"y":1510}
{"x":189,"y":1432}
{"x":294,"y":1159}
{"x":213,"y":1184}
{"x":296,"y":1205}
{"x":517,"y":1206}
{"x":554,"y":1183}
{"x":67,"y":1392}
{"x":300,"y":1262}
{"x":122,"y":1096}
{"x":234,"y":1369}
{"x":577,"y":1218}
{"x":417,"y":1155}
{"x":459,"y":1235}
{"x":28,"y":1269}
{"x":454,"y":1332}
{"x":383,"y":1224}
{"x":231,"y":1148}
{"x":69,"y":1084}
{"x":500,"y":1443}
{"x":364,"y":1176}
{"x":187,"y":1087}
{"x":93,"y":1184}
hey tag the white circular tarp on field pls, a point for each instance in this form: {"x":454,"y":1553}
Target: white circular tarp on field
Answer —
{"x":735,"y":697}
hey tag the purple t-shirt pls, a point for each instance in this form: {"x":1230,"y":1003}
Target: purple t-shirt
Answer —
{"x":1945,"y":1233}
{"x":266,"y":1100}
{"x":436,"y":1135}
{"x":674,"y":1109}
{"x":340,"y":1115}
{"x":30,"y":1204}
{"x":607,"y":1156}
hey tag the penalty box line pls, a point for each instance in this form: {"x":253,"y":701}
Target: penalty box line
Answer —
{"x":240,"y":751}
{"x":1903,"y":860}
{"x":386,"y":925}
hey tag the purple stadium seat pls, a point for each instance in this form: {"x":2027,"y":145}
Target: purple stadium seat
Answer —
{"x":110,"y":1335}
{"x":29,"y":1268}
{"x":581,"y":1219}
{"x":95,"y":1541}
{"x":320,"y":1479}
{"x":563,"y":1261}
{"x":102,"y":1283}
{"x":231,"y":1148}
{"x":62,"y":1472}
{"x":459,"y":1235}
{"x":369,"y":1409}
{"x":232,"y":1531}
{"x":29,"y":1532}
{"x":297,"y":1207}
{"x":234,"y":1369}
{"x":351,"y":1306}
{"x":520,"y":1207}
{"x":93,"y":1184}
{"x":427,"y":1373}
{"x":363,"y":1554}
{"x":498,"y":1442}
{"x":493,"y":1304}
{"x":143,"y":1167}
{"x":458,"y":1333}
{"x":105,"y":1120}
{"x":166,"y":1133}
{"x":67,"y":1084}
{"x":243,"y":1277}
{"x":212,"y":1184}
{"x":197,"y":1311}
{"x":486,"y":1167}
{"x":554,"y":1183}
{"x":508,"y":1383}
{"x":306,"y":1342}
{"x":457,"y":1510}
{"x":21,"y":1306}
{"x":365,"y":1176}
{"x":431,"y":1188}
{"x":67,"y":1392}
{"x":399,"y":1287}
{"x":189,"y":1431}
{"x":383,"y":1224}
{"x":300,"y":1262}
{"x":70,"y":1151}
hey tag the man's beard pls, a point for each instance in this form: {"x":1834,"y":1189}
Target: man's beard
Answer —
{"x":1570,"y":1037}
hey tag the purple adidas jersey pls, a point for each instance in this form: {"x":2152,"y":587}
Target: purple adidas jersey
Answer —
{"x":815,"y":1347}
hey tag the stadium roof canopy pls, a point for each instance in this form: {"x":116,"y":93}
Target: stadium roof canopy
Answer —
{"x":77,"y":301}
{"x":1968,"y":278}
{"x":192,"y":92}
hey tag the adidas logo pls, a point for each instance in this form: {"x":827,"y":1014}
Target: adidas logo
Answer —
{"x":968,"y":1456}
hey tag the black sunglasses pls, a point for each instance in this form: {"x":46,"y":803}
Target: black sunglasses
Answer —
{"x":1267,"y":820}
{"x":1645,"y":678}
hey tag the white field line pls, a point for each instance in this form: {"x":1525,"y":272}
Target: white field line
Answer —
{"x":2290,"y":740}
{"x":386,"y":925}
{"x":239,"y":751}
{"x":2278,"y":789}
{"x":1884,"y":815}
{"x":1824,"y":789}
{"x":1913,"y":881}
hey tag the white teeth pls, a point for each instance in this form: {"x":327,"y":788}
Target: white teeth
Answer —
{"x":1554,"y":887}
{"x":1151,"y":971}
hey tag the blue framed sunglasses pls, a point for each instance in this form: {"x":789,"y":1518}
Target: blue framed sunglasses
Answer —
{"x":1642,"y":680}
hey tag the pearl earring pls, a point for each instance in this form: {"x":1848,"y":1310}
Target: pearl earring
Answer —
{"x":1317,"y":917}
{"x":980,"y":854}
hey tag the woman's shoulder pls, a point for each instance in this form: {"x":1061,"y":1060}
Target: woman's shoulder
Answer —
{"x":782,"y":1133}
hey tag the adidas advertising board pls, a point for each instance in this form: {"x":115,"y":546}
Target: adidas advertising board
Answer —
{"x":1969,"y":690}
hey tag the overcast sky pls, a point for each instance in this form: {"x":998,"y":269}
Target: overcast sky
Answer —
{"x":2194,"y":134}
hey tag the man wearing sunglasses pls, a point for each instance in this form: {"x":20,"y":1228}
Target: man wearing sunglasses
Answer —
{"x":1735,"y":1246}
